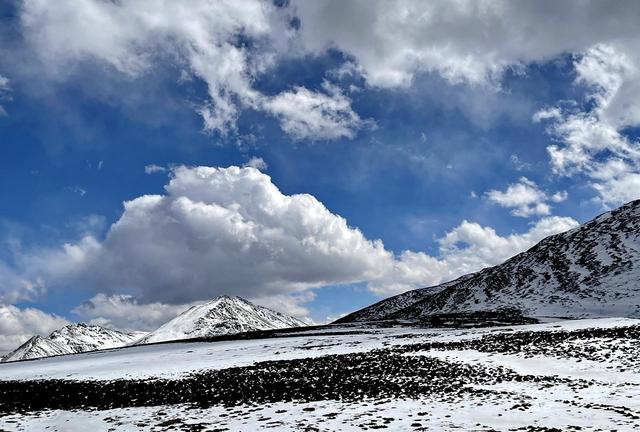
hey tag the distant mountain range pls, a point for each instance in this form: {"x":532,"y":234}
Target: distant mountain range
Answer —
{"x":221,"y":316}
{"x":589,"y":271}
{"x":74,"y":338}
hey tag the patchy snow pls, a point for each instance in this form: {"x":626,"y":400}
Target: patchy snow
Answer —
{"x":541,"y":365}
{"x":73,"y":338}
{"x":587,"y":272}
{"x":181,"y":358}
{"x":221,"y":316}
{"x":527,"y":406}
{"x":564,"y":387}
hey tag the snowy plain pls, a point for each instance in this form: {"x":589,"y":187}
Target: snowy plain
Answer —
{"x":172,"y":360}
{"x":587,"y":383}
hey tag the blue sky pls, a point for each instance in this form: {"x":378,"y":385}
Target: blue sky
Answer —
{"x":454,"y":152}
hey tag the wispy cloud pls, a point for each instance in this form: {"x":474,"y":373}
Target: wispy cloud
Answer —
{"x":153,"y":169}
{"x":5,"y":93}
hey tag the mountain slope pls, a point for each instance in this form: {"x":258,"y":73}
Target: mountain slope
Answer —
{"x":589,"y":271}
{"x":74,"y":338}
{"x":220,"y":316}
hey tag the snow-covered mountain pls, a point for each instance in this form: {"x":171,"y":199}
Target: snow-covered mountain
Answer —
{"x":74,"y":338}
{"x":221,"y":316}
{"x":589,"y":271}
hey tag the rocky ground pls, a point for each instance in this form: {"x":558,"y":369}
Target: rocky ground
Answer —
{"x":512,"y":378}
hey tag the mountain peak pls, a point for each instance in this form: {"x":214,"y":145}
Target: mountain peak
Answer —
{"x":224,"y":298}
{"x":589,"y":271}
{"x":220,"y":316}
{"x":70,"y":339}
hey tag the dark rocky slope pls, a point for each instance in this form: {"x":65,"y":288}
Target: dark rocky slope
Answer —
{"x":589,"y":271}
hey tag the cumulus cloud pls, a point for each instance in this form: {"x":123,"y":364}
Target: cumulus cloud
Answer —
{"x":16,"y":285}
{"x":467,"y":248}
{"x":471,"y":246}
{"x":30,"y":273}
{"x":304,"y":114}
{"x":464,"y":41}
{"x":589,"y":138}
{"x":201,"y":36}
{"x":18,"y":325}
{"x":525,"y":198}
{"x":231,"y":231}
{"x":474,"y":42}
{"x":226,"y":44}
{"x":229,"y":45}
{"x":290,"y":304}
{"x":124,"y":312}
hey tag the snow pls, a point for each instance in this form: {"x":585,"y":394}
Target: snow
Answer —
{"x":221,"y":316}
{"x":588,"y":272}
{"x":540,"y":365}
{"x":180,"y":358}
{"x":590,"y":395}
{"x":177,"y":359}
{"x":547,"y":408}
{"x":73,"y":338}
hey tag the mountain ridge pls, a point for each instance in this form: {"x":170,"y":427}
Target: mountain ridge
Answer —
{"x":222,"y":315}
{"x":72,"y":339}
{"x":589,"y":271}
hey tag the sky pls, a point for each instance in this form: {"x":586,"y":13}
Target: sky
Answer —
{"x":312,"y":157}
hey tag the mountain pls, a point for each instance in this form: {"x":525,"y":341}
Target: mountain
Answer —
{"x":589,"y":271}
{"x":221,"y":316}
{"x":74,"y":338}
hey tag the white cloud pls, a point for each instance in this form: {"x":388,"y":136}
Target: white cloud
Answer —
{"x":471,"y":246}
{"x":34,"y":271}
{"x":291,"y":304}
{"x":257,"y":163}
{"x":78,"y":190}
{"x":464,"y":41}
{"x":18,"y":325}
{"x":231,"y":231}
{"x":474,"y":42}
{"x":123,"y":312}
{"x":465,"y":249}
{"x":17,"y":285}
{"x":230,"y":44}
{"x":5,"y":92}
{"x":203,"y":38}
{"x":559,"y":196}
{"x":153,"y":168}
{"x":4,"y":84}
{"x":304,"y":114}
{"x":200,"y":36}
{"x":589,"y":138}
{"x":519,"y":164}
{"x":525,"y":198}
